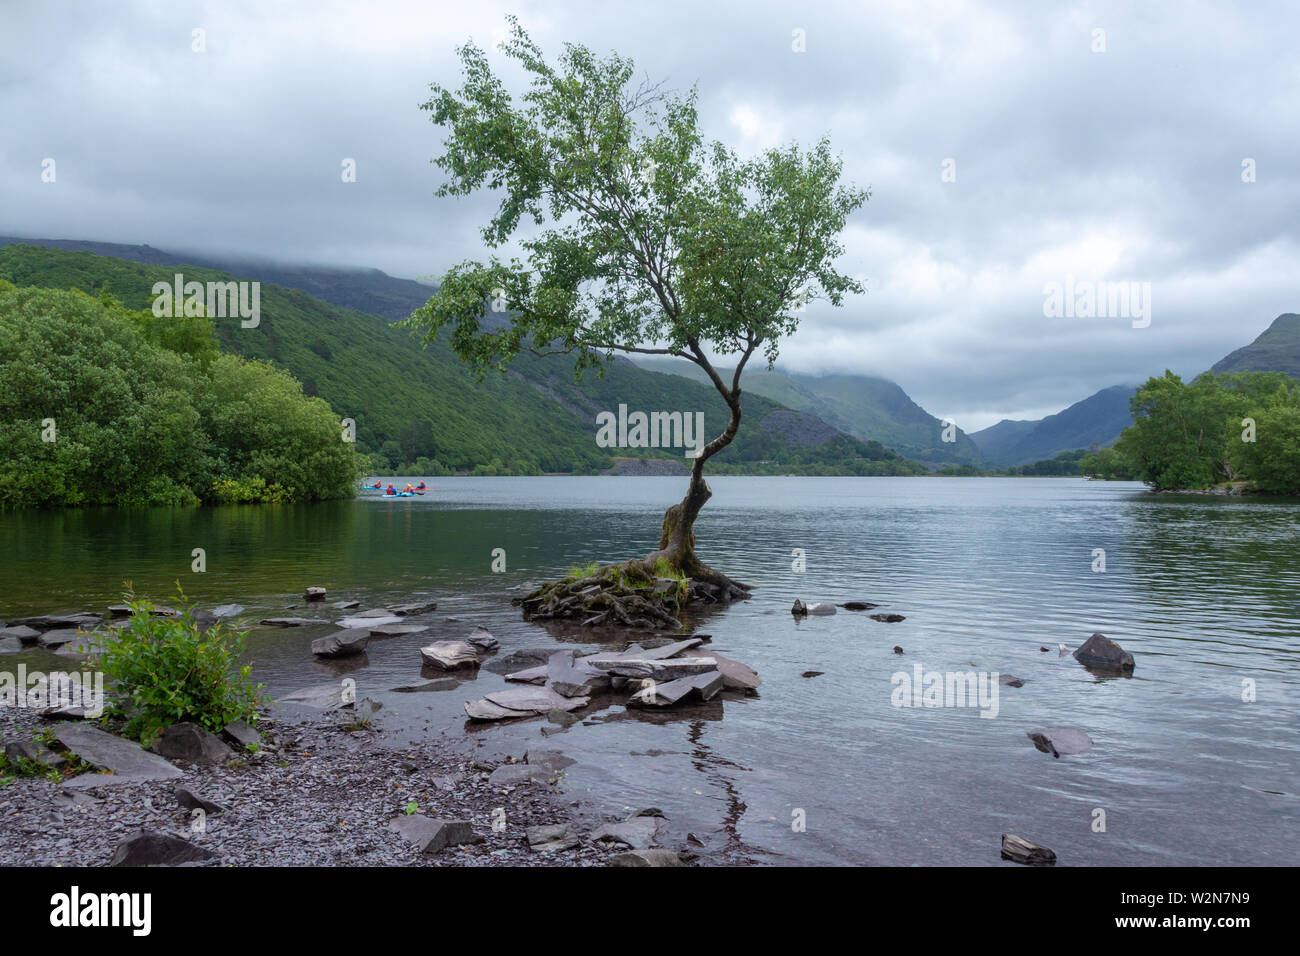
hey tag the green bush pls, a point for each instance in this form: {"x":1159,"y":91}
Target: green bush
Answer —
{"x":165,"y":671}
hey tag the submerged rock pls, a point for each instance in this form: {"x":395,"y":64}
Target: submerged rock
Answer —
{"x":1019,"y":850}
{"x":369,"y":620}
{"x":1100,"y":653}
{"x":510,"y":775}
{"x":858,"y":605}
{"x":290,"y":622}
{"x":1011,"y":680}
{"x":1060,"y":740}
{"x":887,"y":618}
{"x":418,"y":607}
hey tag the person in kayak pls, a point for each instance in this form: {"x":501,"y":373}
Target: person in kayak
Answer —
{"x":420,"y":487}
{"x":409,"y":487}
{"x":391,"y":490}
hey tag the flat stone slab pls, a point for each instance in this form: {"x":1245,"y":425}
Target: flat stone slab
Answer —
{"x":445,"y":683}
{"x":57,"y":638}
{"x":52,"y":622}
{"x":540,"y":700}
{"x":735,"y":675}
{"x":551,"y":760}
{"x":369,"y":621}
{"x":190,"y":743}
{"x":433,"y":834}
{"x":126,"y":761}
{"x":821,"y":608}
{"x":571,"y":676}
{"x":887,"y":618}
{"x":647,"y":857}
{"x":1060,"y":740}
{"x":449,"y":655}
{"x":484,"y":709}
{"x":225,"y":610}
{"x":697,"y":687}
{"x":325,"y":696}
{"x":532,"y":675}
{"x":344,"y":643}
{"x":291,"y":621}
{"x":653,"y":669}
{"x":397,"y":630}
{"x":519,"y":660}
{"x":552,"y":838}
{"x":665,"y":651}
{"x":22,"y":633}
{"x":242,"y":734}
{"x":417,"y":607}
{"x":520,"y":775}
{"x":636,"y":832}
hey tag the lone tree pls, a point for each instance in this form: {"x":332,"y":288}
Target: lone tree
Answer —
{"x":646,"y":241}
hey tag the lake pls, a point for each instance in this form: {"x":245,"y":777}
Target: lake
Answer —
{"x":1204,"y":591}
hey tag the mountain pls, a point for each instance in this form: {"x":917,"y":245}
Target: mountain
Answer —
{"x":1277,"y":349}
{"x":1097,"y":420}
{"x":410,"y":403}
{"x":869,"y":408}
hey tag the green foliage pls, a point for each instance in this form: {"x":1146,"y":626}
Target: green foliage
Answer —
{"x":1108,"y":464}
{"x":166,"y":670}
{"x":1193,"y":436}
{"x":135,"y":423}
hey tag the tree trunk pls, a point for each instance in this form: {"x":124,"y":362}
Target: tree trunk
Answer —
{"x":677,"y":537}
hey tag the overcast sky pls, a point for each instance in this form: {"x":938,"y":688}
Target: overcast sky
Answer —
{"x":1123,"y":165}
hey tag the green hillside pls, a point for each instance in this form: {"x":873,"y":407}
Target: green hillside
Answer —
{"x":1097,"y":420}
{"x":1277,"y":349}
{"x":869,"y":408}
{"x":411,"y":404}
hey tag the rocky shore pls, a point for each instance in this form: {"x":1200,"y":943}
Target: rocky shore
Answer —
{"x":321,"y":792}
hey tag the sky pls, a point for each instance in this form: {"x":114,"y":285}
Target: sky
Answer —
{"x":1007,"y":147}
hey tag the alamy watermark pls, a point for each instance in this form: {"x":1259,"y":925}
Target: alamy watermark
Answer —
{"x":38,"y":690}
{"x":653,"y":430}
{"x":221,"y":299}
{"x":1094,"y":299}
{"x":946,"y":689}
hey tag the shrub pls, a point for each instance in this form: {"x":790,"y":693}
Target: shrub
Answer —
{"x":167,"y":671}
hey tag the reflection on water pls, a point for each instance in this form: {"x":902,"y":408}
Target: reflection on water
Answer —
{"x":1203,"y":591}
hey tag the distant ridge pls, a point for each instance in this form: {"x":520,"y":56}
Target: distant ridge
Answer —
{"x":1097,"y":420}
{"x":1276,"y":349}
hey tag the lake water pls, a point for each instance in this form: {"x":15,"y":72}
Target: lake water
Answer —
{"x":1205,"y":592}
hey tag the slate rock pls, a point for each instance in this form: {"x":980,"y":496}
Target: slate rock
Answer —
{"x":324,"y":696}
{"x":369,"y":620}
{"x":433,"y":834}
{"x":418,"y":607}
{"x":152,"y":848}
{"x":1060,"y":740}
{"x":821,"y":608}
{"x":449,"y":655}
{"x":735,"y":675}
{"x":1019,"y":850}
{"x":23,"y":634}
{"x":858,"y":605}
{"x":242,"y":734}
{"x":397,"y":630}
{"x":1011,"y":680}
{"x":887,"y":618}
{"x":225,"y":610}
{"x":520,"y":660}
{"x":647,"y":857}
{"x":550,"y":760}
{"x":189,"y":743}
{"x":482,"y":639}
{"x":698,"y":687}
{"x":1100,"y":653}
{"x":552,"y":838}
{"x":799,"y":609}
{"x":345,"y":643}
{"x":636,"y":832}
{"x":510,"y":775}
{"x":192,"y":801}
{"x":126,"y":760}
{"x":290,"y":622}
{"x":314,"y":594}
{"x":36,"y":751}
